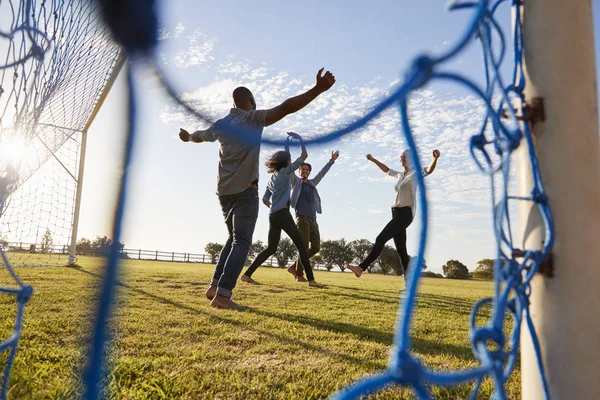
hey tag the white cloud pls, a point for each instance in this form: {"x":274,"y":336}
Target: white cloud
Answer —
{"x":199,"y":50}
{"x":165,"y":34}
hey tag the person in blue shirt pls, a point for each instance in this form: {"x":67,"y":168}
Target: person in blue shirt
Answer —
{"x":307,"y":203}
{"x":277,"y":198}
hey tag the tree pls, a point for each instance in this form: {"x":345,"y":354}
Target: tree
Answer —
{"x":213,"y":250}
{"x":256,"y":248}
{"x":360,"y":248}
{"x":101,"y":246}
{"x":413,"y":259}
{"x":47,"y":242}
{"x":431,"y":274}
{"x":454,"y":269}
{"x":389,"y":261}
{"x":4,"y":243}
{"x":316,"y":260}
{"x":484,"y":270}
{"x":84,"y":247}
{"x":336,"y":253}
{"x":286,"y":251}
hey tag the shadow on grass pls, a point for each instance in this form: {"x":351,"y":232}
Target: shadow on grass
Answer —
{"x":238,"y":324}
{"x":419,"y":345}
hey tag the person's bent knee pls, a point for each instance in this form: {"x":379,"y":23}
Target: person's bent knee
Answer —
{"x":380,"y":241}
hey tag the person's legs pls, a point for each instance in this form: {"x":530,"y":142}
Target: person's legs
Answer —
{"x":400,"y":243}
{"x":393,"y":228}
{"x":303,"y":225}
{"x":212,"y":290}
{"x":315,"y":238}
{"x":274,"y":236}
{"x":227,"y":203}
{"x":389,"y":231}
{"x":292,"y":231}
{"x":400,"y":239}
{"x":243,"y":215}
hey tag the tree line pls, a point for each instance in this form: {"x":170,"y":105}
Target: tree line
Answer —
{"x":334,"y":253}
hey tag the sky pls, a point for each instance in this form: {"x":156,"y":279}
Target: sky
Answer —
{"x":275,"y":48}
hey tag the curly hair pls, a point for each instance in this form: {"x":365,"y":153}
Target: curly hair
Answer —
{"x":277,"y":161}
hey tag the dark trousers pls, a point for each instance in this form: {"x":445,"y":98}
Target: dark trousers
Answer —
{"x":309,"y":230}
{"x":278,"y":221}
{"x":395,"y":229}
{"x":240,"y":211}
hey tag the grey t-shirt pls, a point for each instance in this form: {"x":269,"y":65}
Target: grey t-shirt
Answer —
{"x":238,"y":161}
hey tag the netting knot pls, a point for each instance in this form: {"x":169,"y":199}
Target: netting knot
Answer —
{"x":133,"y":23}
{"x":25,"y":293}
{"x":539,"y":197}
{"x":478,"y":142}
{"x":37,"y":52}
{"x":483,"y":337}
{"x":420,"y":73}
{"x":408,"y":369}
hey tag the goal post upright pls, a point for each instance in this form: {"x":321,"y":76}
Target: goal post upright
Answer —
{"x":84,"y":133}
{"x":560,"y":67}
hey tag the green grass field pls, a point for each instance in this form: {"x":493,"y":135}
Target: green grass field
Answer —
{"x":292,"y":343}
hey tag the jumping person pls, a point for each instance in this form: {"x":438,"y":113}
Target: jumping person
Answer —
{"x":237,"y":181}
{"x":307,"y":203}
{"x":403,"y":211}
{"x":279,"y":190}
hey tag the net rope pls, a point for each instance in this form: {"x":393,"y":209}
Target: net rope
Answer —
{"x":55,"y":59}
{"x":133,"y":25}
{"x":492,"y":150}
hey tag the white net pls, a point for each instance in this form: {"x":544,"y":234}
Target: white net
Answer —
{"x":55,"y":60}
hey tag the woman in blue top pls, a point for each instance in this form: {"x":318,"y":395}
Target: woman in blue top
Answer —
{"x":279,"y":190}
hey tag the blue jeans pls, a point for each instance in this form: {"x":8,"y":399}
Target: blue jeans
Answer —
{"x":240,"y":211}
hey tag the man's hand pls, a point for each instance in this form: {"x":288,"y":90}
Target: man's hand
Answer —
{"x":436,"y":154}
{"x":335,"y":155}
{"x":324,"y":82}
{"x":294,"y":135}
{"x":267,"y":203}
{"x":184,"y":135}
{"x":369,"y":157}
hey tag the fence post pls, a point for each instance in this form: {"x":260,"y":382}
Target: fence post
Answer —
{"x":156,"y":258}
{"x":173,"y":257}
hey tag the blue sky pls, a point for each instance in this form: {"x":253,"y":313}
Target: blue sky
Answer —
{"x":275,"y":48}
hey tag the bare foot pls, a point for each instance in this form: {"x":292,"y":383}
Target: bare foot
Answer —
{"x":316,"y":285}
{"x":247,"y":279}
{"x":300,"y":278}
{"x":225,"y":303}
{"x":211,"y":292}
{"x":292,"y":270}
{"x":358,"y":271}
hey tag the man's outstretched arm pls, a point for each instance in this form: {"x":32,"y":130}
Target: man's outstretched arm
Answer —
{"x":325,"y":169}
{"x":291,"y":105}
{"x":206,"y":135}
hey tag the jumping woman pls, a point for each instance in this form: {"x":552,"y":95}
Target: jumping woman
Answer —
{"x":403,"y":211}
{"x":279,"y":189}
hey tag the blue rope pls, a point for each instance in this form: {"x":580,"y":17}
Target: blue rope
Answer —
{"x":23,"y":294}
{"x":47,"y":46}
{"x":93,"y":374}
{"x":512,"y":277}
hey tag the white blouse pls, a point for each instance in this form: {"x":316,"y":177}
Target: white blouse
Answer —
{"x":406,"y":188}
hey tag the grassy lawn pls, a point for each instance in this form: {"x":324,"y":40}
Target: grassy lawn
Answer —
{"x":292,"y":343}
